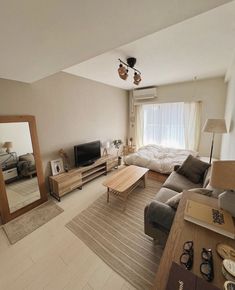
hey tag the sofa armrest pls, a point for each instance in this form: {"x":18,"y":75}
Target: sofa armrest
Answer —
{"x":160,"y":215}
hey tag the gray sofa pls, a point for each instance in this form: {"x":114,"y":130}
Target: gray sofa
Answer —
{"x":158,"y":216}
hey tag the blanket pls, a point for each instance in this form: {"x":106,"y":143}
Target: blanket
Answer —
{"x":158,"y":158}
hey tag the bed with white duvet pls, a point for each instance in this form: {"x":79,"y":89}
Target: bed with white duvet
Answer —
{"x":158,"y":158}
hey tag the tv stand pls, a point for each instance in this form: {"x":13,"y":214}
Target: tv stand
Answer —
{"x":90,"y":162}
{"x":75,"y":178}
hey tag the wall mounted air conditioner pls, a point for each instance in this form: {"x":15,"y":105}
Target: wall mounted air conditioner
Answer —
{"x":145,"y":93}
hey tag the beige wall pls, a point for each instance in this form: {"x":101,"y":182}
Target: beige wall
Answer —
{"x":228,"y":141}
{"x":69,"y":110}
{"x":19,"y":135}
{"x":212,"y":93}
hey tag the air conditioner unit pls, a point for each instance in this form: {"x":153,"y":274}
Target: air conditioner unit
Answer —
{"x":145,"y":93}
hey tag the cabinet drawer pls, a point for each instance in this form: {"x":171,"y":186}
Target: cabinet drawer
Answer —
{"x":65,"y":188}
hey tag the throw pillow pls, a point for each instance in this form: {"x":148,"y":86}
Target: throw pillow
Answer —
{"x":193,"y":169}
{"x":204,"y":191}
{"x":174,"y":200}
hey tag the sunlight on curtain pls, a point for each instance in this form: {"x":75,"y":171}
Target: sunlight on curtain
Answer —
{"x":192,"y":124}
{"x":175,"y":125}
{"x":139,"y":126}
{"x":163,"y":124}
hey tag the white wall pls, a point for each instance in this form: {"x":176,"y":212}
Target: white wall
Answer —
{"x":69,"y":110}
{"x":212,"y":93}
{"x":19,"y":135}
{"x":228,"y":141}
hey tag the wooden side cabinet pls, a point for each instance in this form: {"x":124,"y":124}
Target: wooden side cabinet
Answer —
{"x":77,"y":177}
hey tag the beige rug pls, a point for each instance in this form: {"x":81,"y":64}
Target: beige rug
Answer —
{"x":118,"y":237}
{"x":24,"y":186}
{"x":25,"y":224}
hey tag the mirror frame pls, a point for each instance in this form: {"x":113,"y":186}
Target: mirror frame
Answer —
{"x":6,"y":215}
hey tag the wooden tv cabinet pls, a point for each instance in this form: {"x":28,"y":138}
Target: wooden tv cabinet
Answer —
{"x":77,"y":177}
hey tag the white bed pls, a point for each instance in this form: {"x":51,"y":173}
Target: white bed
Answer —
{"x":158,"y":158}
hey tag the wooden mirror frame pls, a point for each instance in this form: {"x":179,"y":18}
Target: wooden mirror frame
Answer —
{"x":6,"y":215}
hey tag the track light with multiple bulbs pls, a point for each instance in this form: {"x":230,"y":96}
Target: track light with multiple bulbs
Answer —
{"x":123,"y":70}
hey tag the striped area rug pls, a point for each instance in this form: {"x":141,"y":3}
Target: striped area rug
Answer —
{"x":118,"y":238}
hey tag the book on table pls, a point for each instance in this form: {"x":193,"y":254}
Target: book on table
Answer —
{"x":214,"y":219}
{"x":180,"y":279}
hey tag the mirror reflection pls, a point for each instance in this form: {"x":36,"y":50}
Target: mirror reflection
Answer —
{"x":18,"y":165}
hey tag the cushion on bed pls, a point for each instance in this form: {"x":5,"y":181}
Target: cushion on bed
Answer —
{"x":193,"y":168}
{"x":179,"y":183}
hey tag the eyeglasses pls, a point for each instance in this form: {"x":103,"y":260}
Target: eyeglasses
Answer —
{"x":186,"y":259}
{"x":206,"y":267}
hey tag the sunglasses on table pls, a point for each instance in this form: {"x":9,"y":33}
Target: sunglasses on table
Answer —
{"x":206,"y":267}
{"x":186,"y":258}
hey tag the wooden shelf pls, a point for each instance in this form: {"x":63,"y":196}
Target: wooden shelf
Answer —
{"x":91,"y":171}
{"x":93,"y":176}
{"x":77,"y":177}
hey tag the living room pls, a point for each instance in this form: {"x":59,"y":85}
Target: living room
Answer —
{"x":69,"y":82}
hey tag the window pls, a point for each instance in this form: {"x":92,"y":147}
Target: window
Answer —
{"x":163,"y":124}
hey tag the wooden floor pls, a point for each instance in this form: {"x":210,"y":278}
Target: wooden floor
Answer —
{"x":157,"y":176}
{"x":52,"y":257}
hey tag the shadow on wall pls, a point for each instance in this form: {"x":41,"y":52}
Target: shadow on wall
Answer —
{"x":231,"y":127}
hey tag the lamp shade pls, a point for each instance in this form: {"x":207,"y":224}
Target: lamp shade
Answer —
{"x":223,"y":174}
{"x":7,"y":145}
{"x":215,"y":126}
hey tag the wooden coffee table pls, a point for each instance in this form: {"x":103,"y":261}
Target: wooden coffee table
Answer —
{"x":125,"y":181}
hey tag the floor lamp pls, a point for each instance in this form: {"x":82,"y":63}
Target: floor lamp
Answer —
{"x":214,"y":126}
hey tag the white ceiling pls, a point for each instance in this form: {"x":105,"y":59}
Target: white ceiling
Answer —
{"x":41,"y":37}
{"x":202,"y":46}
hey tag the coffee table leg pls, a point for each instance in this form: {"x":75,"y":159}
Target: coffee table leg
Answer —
{"x":145,"y":180}
{"x":107,"y":194}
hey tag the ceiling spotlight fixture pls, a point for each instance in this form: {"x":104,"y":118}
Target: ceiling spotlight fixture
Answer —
{"x":123,"y":70}
{"x":137,"y":78}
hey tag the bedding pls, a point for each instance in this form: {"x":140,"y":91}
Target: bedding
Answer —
{"x":158,"y":158}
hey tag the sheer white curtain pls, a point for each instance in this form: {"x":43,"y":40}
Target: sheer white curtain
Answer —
{"x":192,"y":125}
{"x":164,"y":125}
{"x":139,"y":122}
{"x":175,"y":125}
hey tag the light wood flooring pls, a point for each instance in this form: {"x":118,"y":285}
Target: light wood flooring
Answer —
{"x":52,"y":257}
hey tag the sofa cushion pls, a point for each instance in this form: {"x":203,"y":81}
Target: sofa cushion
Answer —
{"x":174,"y":200}
{"x":193,"y":169}
{"x":28,"y":157}
{"x":203,"y":191}
{"x":164,"y":194}
{"x":179,"y":183}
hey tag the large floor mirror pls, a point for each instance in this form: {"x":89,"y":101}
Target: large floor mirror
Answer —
{"x":22,"y":184}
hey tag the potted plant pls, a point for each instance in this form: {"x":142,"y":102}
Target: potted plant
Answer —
{"x":117,"y":143}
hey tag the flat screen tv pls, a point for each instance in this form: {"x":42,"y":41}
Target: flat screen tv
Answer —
{"x":86,"y":154}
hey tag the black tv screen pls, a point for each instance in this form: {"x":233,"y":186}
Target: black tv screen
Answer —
{"x":87,"y":153}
